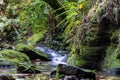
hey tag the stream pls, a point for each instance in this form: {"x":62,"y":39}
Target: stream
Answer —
{"x":57,"y":57}
{"x":46,"y":67}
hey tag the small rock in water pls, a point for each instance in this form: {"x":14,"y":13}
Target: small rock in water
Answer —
{"x":20,"y":79}
{"x":72,"y":77}
{"x":53,"y":74}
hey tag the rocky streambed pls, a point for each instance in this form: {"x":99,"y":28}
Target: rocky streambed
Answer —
{"x":46,"y":65}
{"x":53,"y":67}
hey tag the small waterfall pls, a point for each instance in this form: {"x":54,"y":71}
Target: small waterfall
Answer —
{"x":56,"y":57}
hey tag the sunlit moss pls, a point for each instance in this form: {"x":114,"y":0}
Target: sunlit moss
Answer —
{"x":14,"y":56}
{"x":35,"y":37}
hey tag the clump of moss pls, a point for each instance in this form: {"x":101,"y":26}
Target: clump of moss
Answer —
{"x":20,"y":47}
{"x":35,"y":37}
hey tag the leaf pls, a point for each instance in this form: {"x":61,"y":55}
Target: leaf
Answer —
{"x":1,"y":25}
{"x":71,"y":15}
{"x":80,"y":6}
{"x":4,"y":18}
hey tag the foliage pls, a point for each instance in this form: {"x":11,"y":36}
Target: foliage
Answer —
{"x":75,"y":13}
{"x":8,"y":25}
{"x":87,"y":31}
{"x":35,"y":15}
{"x":29,"y":20}
{"x":22,"y":19}
{"x":111,"y":59}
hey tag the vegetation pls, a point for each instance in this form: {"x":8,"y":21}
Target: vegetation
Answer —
{"x":88,"y":29}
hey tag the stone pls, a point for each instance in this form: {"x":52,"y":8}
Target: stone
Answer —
{"x":53,"y":74}
{"x":72,"y":77}
{"x":14,"y":56}
{"x":30,"y":51}
{"x":63,"y":69}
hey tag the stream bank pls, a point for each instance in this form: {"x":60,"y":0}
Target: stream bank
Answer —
{"x":54,"y":69}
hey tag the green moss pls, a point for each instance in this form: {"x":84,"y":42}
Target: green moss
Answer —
{"x":35,"y":38}
{"x":20,"y":47}
{"x":14,"y":56}
{"x":58,"y":75}
{"x":111,"y":59}
{"x":76,"y":60}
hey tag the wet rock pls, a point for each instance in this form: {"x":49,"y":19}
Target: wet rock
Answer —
{"x":53,"y":74}
{"x":116,"y":71}
{"x":30,"y":51}
{"x":72,"y":77}
{"x":63,"y":69}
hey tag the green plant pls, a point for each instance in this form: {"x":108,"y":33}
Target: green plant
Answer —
{"x":75,"y":13}
{"x":35,"y":15}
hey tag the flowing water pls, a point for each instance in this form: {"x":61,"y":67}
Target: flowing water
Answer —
{"x":46,"y":67}
{"x":56,"y":57}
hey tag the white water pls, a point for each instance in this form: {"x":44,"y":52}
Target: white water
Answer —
{"x":56,"y":57}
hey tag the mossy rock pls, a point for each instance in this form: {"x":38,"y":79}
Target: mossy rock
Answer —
{"x":14,"y":57}
{"x":30,"y":51}
{"x":63,"y":70}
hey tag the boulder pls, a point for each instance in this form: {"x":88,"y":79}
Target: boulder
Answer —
{"x":30,"y":51}
{"x":68,"y":70}
{"x":16,"y":59}
{"x":14,"y":56}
